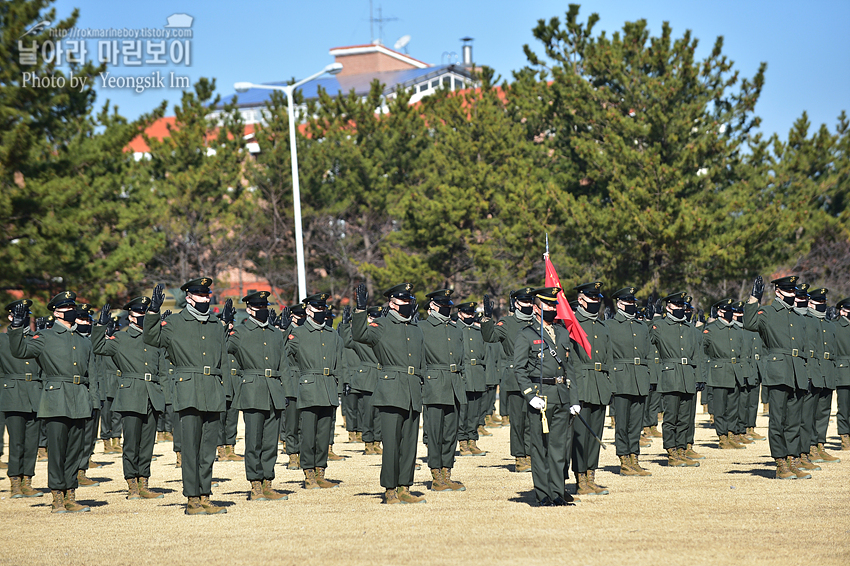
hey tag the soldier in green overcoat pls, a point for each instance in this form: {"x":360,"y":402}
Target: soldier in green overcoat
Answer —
{"x":363,"y":382}
{"x":753,"y":350}
{"x":19,"y":398}
{"x":842,"y":371}
{"x":63,"y":357}
{"x":195,"y":342}
{"x":475,"y":367}
{"x":723,"y":343}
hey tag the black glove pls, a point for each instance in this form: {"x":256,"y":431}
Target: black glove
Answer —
{"x":157,"y":298}
{"x":659,"y":307}
{"x":285,"y":319}
{"x":653,"y":386}
{"x":488,"y":306}
{"x":832,"y":313}
{"x":714,"y":312}
{"x":104,"y":316}
{"x":609,"y":313}
{"x":361,"y":296}
{"x":41,"y":323}
{"x":385,"y":311}
{"x":701,"y":316}
{"x":165,"y":314}
{"x":758,"y":288}
{"x":272,"y":317}
{"x":512,"y":308}
{"x":346,"y":388}
{"x":700,"y":386}
{"x":111,"y":327}
{"x":228,"y":314}
{"x":20,"y":313}
{"x":650,"y":311}
{"x":346,"y":315}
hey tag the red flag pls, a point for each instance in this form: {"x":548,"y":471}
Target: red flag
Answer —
{"x":565,"y":313}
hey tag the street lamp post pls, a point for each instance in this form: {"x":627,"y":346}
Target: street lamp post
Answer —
{"x":288,"y":90}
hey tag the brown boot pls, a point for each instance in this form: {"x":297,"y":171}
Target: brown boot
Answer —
{"x":231,"y":455}
{"x":209,"y":508}
{"x":794,"y":466}
{"x":637,"y":467}
{"x":527,"y":467}
{"x":613,"y":421}
{"x":688,"y":462}
{"x":58,"y":505}
{"x":582,"y":487}
{"x":359,"y":437}
{"x":352,"y":436}
{"x":15,"y":488}
{"x":783,"y":472}
{"x":320,"y":479}
{"x":93,"y":464}
{"x":193,"y":506}
{"x":257,"y":491}
{"x":806,"y":464}
{"x":689,"y":452}
{"x":673,"y":458}
{"x":42,"y":454}
{"x":179,"y":463}
{"x":293,"y":464}
{"x":520,"y":465}
{"x":437,"y":481}
{"x":133,"y":489}
{"x":654,"y":433}
{"x":160,"y":437}
{"x":742,"y":439}
{"x":169,"y":437}
{"x":754,"y":435}
{"x":490,"y":422}
{"x":765,"y":409}
{"x":26,"y":487}
{"x":405,"y":496}
{"x":644,"y":442}
{"x":391,"y":497}
{"x":732,"y":443}
{"x":506,"y":420}
{"x":377,"y":447}
{"x":107,"y":446}
{"x":845,"y":442}
{"x":484,"y":432}
{"x":591,"y":482}
{"x":453,"y":485}
{"x":84,"y":481}
{"x":463,"y":446}
{"x":220,"y":454}
{"x":116,"y":445}
{"x":310,"y":479}
{"x":370,"y":449}
{"x":334,"y":457}
{"x":626,"y":468}
{"x":71,"y":505}
{"x":827,"y":457}
{"x":473,"y":448}
{"x":271,"y":494}
{"x":145,"y":492}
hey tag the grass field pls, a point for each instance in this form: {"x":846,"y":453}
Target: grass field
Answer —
{"x":728,"y":511}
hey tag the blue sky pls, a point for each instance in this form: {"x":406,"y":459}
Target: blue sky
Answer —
{"x":806,"y":45}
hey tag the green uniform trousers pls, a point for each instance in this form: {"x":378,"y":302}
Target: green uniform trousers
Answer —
{"x":675,"y":425}
{"x":550,"y":453}
{"x":139,"y":438}
{"x":292,"y":423}
{"x":748,"y":407}
{"x":64,"y":446}
{"x":110,"y":421}
{"x":585,"y":448}
{"x":520,"y":430}
{"x":368,"y":418}
{"x":691,"y":415}
{"x":440,"y":422}
{"x":808,"y":433}
{"x":349,"y":411}
{"x":316,"y":429}
{"x":176,"y":432}
{"x":726,"y":405}
{"x":201,"y":431}
{"x":165,"y":419}
{"x":229,"y":419}
{"x":783,"y":432}
{"x":843,"y":417}
{"x":490,"y":400}
{"x":653,"y":407}
{"x":824,"y":406}
{"x":89,"y":439}
{"x":470,"y":416}
{"x":400,"y":428}
{"x":23,"y":442}
{"x":629,"y":422}
{"x":261,"y":433}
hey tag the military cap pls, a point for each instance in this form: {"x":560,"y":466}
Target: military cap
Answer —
{"x":400,"y":291}
{"x":197,"y":286}
{"x":139,"y":304}
{"x":63,"y":299}
{"x":688,"y":301}
{"x":676,"y":298}
{"x":298,"y":310}
{"x":257,"y":299}
{"x":724,"y":304}
{"x":592,"y":289}
{"x":802,"y":290}
{"x":13,"y":304}
{"x":786,"y":283}
{"x":843,"y":304}
{"x":374,"y":312}
{"x":818,"y":294}
{"x":625,"y":294}
{"x":574,"y":304}
{"x":640,"y":313}
{"x":467,"y":307}
{"x":525,"y":294}
{"x":547,"y":294}
{"x":319,"y":300}
{"x":85,"y":310}
{"x":442,"y":296}
{"x":738,"y":306}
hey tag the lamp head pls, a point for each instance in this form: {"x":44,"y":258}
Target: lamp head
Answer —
{"x":333,"y":68}
{"x":242,"y":87}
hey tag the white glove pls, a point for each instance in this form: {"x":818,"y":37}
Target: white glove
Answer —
{"x":537,"y":403}
{"x":575,"y":409}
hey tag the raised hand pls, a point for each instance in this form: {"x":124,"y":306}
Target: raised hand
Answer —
{"x":272,"y":317}
{"x":832,"y":313}
{"x":111,"y":327}
{"x":488,"y":306}
{"x":361,"y":296}
{"x":346,"y":315}
{"x":701,"y":316}
{"x":165,"y":314}
{"x":228,"y":315}
{"x":650,"y":311}
{"x":713,"y":312}
{"x":41,"y":323}
{"x":157,"y":298}
{"x":20,"y":313}
{"x":758,"y":288}
{"x":104,"y":318}
{"x":285,"y":319}
{"x":386,"y":311}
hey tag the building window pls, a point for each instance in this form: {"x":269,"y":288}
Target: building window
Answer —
{"x":458,"y":84}
{"x":423,"y":87}
{"x":435,"y":83}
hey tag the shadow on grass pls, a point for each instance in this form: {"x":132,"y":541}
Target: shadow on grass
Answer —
{"x":91,"y":503}
{"x":769,"y":474}
{"x":527,"y":497}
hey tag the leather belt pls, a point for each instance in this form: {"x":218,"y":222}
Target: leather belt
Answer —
{"x":22,"y":376}
{"x":548,"y":380}
{"x":75,"y":379}
{"x":261,"y":373}
{"x":593,"y":366}
{"x":757,"y":357}
{"x":141,"y":376}
{"x":409,"y":370}
{"x":793,"y":352}
{"x":635,"y":361}
{"x":683,"y":361}
{"x":826,"y":355}
{"x":444,"y":367}
{"x":203,"y":370}
{"x":324,"y":371}
{"x":474,"y":362}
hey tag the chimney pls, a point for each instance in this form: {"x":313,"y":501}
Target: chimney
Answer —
{"x":467,"y":51}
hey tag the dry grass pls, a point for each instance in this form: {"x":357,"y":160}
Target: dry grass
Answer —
{"x":728,"y":511}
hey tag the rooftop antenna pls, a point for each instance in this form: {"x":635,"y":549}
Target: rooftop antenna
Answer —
{"x":402,"y":43}
{"x":380,"y":19}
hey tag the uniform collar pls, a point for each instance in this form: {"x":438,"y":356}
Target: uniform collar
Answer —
{"x":59,"y":328}
{"x":134,"y":332}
